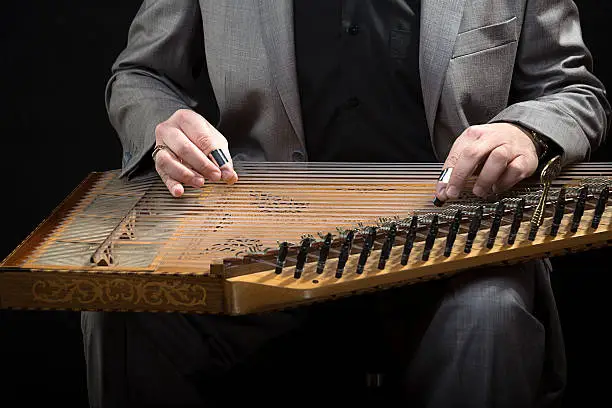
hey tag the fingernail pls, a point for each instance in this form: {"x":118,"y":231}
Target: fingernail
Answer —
{"x":452,"y":192}
{"x":227,"y":174}
{"x":199,"y":181}
{"x":177,"y":190}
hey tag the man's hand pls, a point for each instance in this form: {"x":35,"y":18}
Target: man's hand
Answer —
{"x":189,"y":139}
{"x":500,"y":153}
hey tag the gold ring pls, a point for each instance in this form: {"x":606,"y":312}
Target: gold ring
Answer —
{"x":157,"y":149}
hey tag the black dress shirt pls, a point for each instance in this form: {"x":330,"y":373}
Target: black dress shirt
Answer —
{"x":358,"y":74}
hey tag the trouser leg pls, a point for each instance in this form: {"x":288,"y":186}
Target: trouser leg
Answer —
{"x":159,"y":359}
{"x":125,"y":367}
{"x":488,"y":341}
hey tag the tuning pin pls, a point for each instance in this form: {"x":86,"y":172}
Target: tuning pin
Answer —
{"x":473,"y":231}
{"x":559,"y":211}
{"x":324,"y":252}
{"x":600,"y":207}
{"x":579,"y":210}
{"x":372,"y":238}
{"x":516,"y":221}
{"x":387,"y":246}
{"x":301,"y":257}
{"x":452,"y":233}
{"x":497,"y":218}
{"x":282,"y":256}
{"x":368,"y":243}
{"x":431,"y":238}
{"x":344,"y":253}
{"x":410,"y":236}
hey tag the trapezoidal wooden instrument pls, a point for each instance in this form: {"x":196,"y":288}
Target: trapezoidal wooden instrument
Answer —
{"x":289,"y":234}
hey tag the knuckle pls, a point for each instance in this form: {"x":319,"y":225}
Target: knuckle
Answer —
{"x":502,"y":153}
{"x":485,"y":183}
{"x":182,"y":149}
{"x":182,"y":174}
{"x":452,"y":159}
{"x":520,"y":169}
{"x":471,"y":151}
{"x":473,"y":132}
{"x":161,"y":129}
{"x":185,"y":177}
{"x":526,"y":173}
{"x":516,"y":166}
{"x":459,"y":176}
{"x":182,"y":115}
{"x":203,"y":141}
{"x":162,"y":162}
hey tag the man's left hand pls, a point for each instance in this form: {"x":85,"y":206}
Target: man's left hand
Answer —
{"x":501,"y":154}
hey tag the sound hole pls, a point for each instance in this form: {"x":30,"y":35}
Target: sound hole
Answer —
{"x":237,"y":246}
{"x":270,"y":203}
{"x":224,"y":221}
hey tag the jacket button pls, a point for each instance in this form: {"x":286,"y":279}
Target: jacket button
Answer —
{"x":298,"y":156}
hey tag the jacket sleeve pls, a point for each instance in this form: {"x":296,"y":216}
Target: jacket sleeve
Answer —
{"x":554,"y":90}
{"x":157,"y":73}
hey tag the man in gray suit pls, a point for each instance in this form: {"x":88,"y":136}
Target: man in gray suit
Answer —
{"x":487,"y":86}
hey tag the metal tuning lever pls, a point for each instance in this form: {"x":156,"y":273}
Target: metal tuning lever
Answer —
{"x":549,"y":172}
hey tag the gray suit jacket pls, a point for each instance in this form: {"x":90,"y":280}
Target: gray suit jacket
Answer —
{"x":521,"y":61}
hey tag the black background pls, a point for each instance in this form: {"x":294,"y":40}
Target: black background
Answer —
{"x":55,"y":59}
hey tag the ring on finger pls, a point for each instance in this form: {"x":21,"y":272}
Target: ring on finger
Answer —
{"x":219,"y":157}
{"x":159,"y":148}
{"x":445,"y":175}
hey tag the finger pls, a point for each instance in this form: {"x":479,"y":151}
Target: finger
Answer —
{"x":167,"y":163}
{"x":468,"y":160}
{"x":187,"y":151}
{"x":222,"y":159}
{"x":494,"y":166}
{"x":174,"y":187}
{"x":517,"y":170}
{"x":470,"y":137}
{"x":207,"y":138}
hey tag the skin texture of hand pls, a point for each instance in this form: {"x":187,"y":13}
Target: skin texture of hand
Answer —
{"x":189,"y":139}
{"x":500,"y":154}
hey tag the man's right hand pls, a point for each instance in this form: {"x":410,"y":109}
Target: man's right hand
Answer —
{"x":189,"y":139}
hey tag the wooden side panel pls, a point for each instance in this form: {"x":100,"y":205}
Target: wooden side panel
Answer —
{"x":254,"y":291}
{"x":70,"y":290}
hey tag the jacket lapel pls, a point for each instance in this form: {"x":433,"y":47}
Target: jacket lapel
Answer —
{"x":277,"y":27}
{"x":440,"y":21}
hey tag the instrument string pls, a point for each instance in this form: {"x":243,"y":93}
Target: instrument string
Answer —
{"x":324,"y":182}
{"x":152,"y":220}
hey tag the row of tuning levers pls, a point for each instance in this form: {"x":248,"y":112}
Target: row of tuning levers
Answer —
{"x":412,"y":230}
